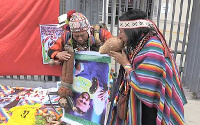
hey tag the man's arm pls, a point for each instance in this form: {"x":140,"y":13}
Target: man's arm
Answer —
{"x":57,"y":47}
{"x":104,"y":34}
{"x":56,"y":51}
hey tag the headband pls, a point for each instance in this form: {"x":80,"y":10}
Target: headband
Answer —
{"x":132,"y":24}
{"x":142,"y":23}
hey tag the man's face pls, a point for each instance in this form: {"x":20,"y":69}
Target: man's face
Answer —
{"x":122,"y":36}
{"x":80,"y":37}
{"x":83,"y":102}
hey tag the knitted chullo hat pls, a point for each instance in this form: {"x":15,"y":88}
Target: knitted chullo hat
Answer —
{"x":78,"y":22}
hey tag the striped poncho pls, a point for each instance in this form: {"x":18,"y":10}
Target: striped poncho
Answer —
{"x":155,"y":81}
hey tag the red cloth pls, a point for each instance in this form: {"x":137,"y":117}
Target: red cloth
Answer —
{"x":20,"y":44}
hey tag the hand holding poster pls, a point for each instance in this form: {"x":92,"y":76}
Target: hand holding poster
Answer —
{"x":90,"y":88}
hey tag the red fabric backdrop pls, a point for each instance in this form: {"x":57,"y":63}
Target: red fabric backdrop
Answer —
{"x":20,"y":44}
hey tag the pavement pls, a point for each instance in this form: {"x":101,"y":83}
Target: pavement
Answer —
{"x":191,"y":109}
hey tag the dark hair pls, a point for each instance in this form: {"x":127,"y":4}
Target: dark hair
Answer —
{"x":134,"y":35}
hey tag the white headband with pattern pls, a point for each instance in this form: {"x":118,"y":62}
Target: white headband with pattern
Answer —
{"x":132,"y":24}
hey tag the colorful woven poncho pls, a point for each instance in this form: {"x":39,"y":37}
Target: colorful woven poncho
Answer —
{"x":154,"y":81}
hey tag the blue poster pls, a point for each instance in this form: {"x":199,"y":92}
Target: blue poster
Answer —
{"x":90,"y":88}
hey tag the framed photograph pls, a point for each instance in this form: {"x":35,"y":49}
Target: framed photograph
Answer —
{"x":90,"y":88}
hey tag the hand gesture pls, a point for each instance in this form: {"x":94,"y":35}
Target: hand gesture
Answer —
{"x":63,"y":56}
{"x":121,"y":58}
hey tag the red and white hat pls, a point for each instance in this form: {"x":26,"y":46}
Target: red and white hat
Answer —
{"x":78,"y":22}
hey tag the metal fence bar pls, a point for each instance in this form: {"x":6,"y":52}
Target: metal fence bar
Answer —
{"x":165,"y":22}
{"x":113,"y":14}
{"x":178,"y":30}
{"x":190,"y":58}
{"x":40,"y":78}
{"x":126,"y":5}
{"x":45,"y":78}
{"x":138,"y":4}
{"x":84,"y":12}
{"x":53,"y":78}
{"x":194,"y":77}
{"x":60,"y":10}
{"x":158,"y":16}
{"x":71,"y":4}
{"x":146,"y":6}
{"x":18,"y":77}
{"x":25,"y":77}
{"x":75,"y":5}
{"x":195,"y":69}
{"x":134,"y":4}
{"x":32,"y":78}
{"x":185,"y":34}
{"x":119,"y":14}
{"x":172,"y":23}
{"x":91,"y":22}
{"x":97,"y":21}
{"x":11,"y":77}
{"x":190,"y":49}
{"x":104,"y":18}
{"x":143,"y":4}
{"x":152,"y":8}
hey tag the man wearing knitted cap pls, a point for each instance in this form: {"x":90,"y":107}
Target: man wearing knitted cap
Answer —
{"x":84,"y":38}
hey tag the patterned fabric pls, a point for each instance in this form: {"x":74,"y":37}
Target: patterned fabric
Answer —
{"x":155,"y":81}
{"x":4,"y":113}
{"x":140,"y":23}
{"x":5,"y":90}
{"x":78,"y":22}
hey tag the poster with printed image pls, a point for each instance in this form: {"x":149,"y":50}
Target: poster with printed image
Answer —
{"x":49,"y":34}
{"x":90,"y":88}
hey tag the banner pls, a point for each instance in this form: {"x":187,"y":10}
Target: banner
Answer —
{"x":49,"y":34}
{"x":90,"y":88}
{"x":20,"y":41}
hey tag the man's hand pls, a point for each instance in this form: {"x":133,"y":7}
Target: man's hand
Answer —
{"x":121,"y":58}
{"x":64,"y":92}
{"x":63,"y":56}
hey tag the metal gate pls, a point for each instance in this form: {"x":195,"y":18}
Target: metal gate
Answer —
{"x":171,"y":16}
{"x":191,"y":74}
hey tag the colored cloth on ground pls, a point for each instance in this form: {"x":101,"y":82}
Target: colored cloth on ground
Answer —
{"x":4,"y":113}
{"x":5,"y":90}
{"x":23,"y":115}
